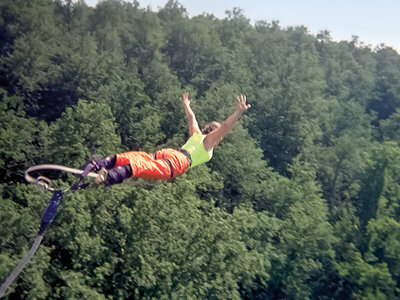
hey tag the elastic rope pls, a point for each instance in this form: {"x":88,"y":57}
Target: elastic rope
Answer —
{"x":21,"y":266}
{"x":30,"y":179}
{"x":47,"y":217}
{"x":44,"y":182}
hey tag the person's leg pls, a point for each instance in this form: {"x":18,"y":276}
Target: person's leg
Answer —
{"x":112,"y":170}
{"x":144,"y":165}
{"x":163,"y":165}
{"x":106,"y":163}
{"x":116,"y":175}
{"x":179,"y":162}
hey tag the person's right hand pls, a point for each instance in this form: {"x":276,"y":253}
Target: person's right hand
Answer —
{"x":185,"y":99}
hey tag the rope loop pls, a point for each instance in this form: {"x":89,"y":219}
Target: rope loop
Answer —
{"x":44,"y":183}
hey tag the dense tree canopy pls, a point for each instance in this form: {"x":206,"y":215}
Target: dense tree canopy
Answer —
{"x":301,"y":200}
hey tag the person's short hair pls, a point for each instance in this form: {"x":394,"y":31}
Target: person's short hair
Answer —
{"x":210,"y":127}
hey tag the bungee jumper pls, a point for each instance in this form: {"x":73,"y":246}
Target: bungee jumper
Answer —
{"x":168,"y":163}
{"x":164,"y":164}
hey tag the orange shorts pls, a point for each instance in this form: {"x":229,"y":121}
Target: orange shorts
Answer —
{"x":145,"y":165}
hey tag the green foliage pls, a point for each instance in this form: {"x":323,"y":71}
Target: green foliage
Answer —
{"x":381,"y":209}
{"x":349,"y":70}
{"x":300,"y":201}
{"x":194,"y":51}
{"x":367,"y":281}
{"x":32,"y":26}
{"x":391,"y":127}
{"x":342,"y":151}
{"x":386,"y":95}
{"x":240,"y":164}
{"x":177,"y":250}
{"x":380,"y":189}
{"x":22,"y":139}
{"x":138,"y":121}
{"x":83,"y":129}
{"x":288,"y":99}
{"x":306,"y":227}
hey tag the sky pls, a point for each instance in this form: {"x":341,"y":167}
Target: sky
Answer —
{"x":373,"y":21}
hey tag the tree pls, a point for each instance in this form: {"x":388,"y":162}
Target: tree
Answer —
{"x":287,"y":102}
{"x":340,"y":156}
{"x":82,"y":129}
{"x":23,"y":141}
{"x":385,"y":97}
{"x":138,"y":120}
{"x":194,"y":51}
{"x":380,"y":210}
{"x":391,"y":128}
{"x":349,"y":70}
{"x":305,"y":239}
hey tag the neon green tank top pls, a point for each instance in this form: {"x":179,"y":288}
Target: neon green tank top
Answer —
{"x":195,"y":147}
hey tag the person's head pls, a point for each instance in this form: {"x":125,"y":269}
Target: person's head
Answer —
{"x":210,"y":127}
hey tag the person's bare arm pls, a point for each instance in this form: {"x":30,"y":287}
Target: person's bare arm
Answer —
{"x":214,"y":137}
{"x":193,"y":125}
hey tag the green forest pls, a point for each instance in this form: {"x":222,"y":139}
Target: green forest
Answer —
{"x":300,"y":201}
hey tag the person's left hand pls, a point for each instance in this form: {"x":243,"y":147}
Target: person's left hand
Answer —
{"x":241,"y":104}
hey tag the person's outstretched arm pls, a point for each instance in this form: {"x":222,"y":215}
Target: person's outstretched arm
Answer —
{"x":214,"y":137}
{"x":193,"y":126}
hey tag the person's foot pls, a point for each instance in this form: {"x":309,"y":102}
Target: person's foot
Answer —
{"x":99,"y":163}
{"x":113,"y":176}
{"x":102,"y":178}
